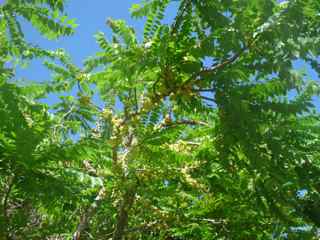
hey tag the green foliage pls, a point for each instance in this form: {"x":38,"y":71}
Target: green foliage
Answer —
{"x":45,"y":16}
{"x":206,"y":129}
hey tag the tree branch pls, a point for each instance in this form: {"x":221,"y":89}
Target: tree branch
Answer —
{"x":183,"y":122}
{"x":123,"y":213}
{"x":208,"y":99}
{"x":224,"y":63}
{"x":5,"y":206}
{"x":204,"y":90}
{"x":85,"y":218}
{"x":91,"y":210}
{"x":212,"y":221}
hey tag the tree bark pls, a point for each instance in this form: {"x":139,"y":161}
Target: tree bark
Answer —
{"x":8,"y":190}
{"x":123,"y":214}
{"x":85,"y":218}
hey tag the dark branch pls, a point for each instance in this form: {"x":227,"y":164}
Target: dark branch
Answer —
{"x":223,"y":64}
{"x":183,"y":122}
{"x":204,"y":90}
{"x":208,"y":99}
{"x":123,"y":214}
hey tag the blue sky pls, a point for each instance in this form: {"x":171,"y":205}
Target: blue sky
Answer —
{"x":91,"y":16}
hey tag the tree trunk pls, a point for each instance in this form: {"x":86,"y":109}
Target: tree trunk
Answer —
{"x":8,"y":189}
{"x":123,"y":214}
{"x":85,"y":218}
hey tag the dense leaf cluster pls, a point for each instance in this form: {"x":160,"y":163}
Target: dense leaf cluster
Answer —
{"x":207,"y":129}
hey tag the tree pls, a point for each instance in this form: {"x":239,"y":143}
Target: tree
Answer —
{"x":207,"y":129}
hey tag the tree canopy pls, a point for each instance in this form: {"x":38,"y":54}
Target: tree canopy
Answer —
{"x":207,"y":129}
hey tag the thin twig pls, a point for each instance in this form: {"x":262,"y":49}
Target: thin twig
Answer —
{"x":184,"y":122}
{"x":204,"y":90}
{"x":208,"y":99}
